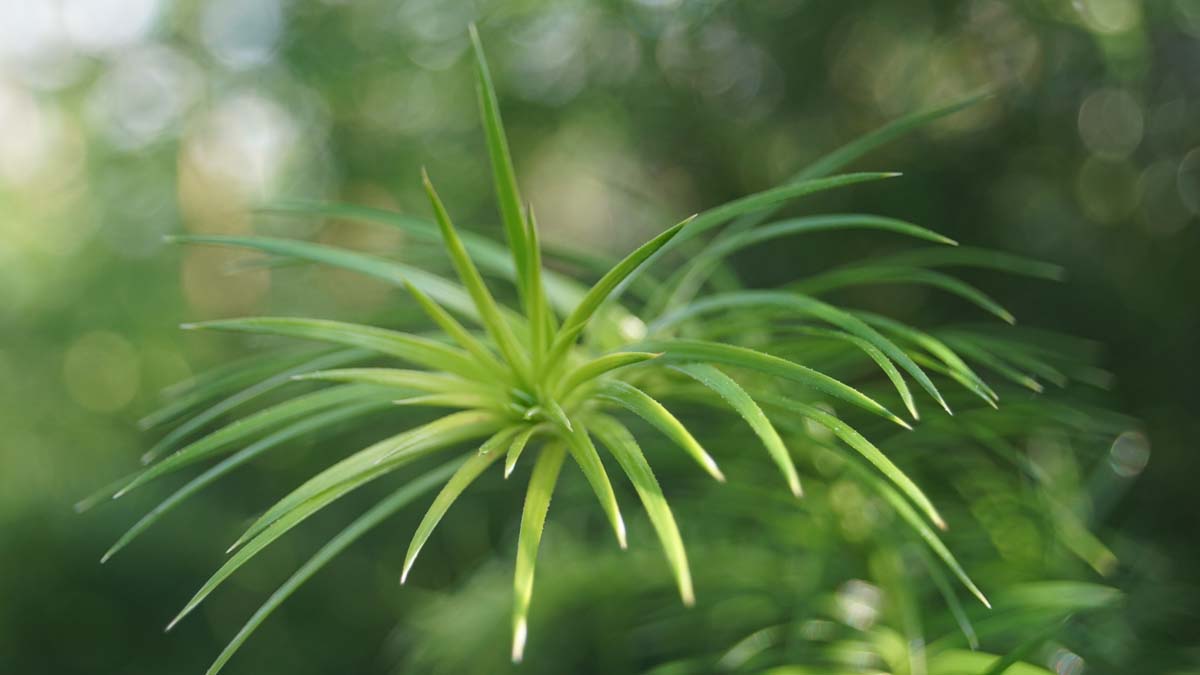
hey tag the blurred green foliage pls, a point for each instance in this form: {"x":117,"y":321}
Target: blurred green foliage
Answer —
{"x":128,"y":119}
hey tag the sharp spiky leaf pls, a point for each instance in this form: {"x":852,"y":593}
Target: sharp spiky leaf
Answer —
{"x":352,"y":532}
{"x":419,"y":380}
{"x":744,"y":405}
{"x":875,"y":354}
{"x":690,"y":277}
{"x":503,"y":174}
{"x":541,"y":320}
{"x":519,"y":442}
{"x":990,"y":361}
{"x":458,"y":333}
{"x":464,"y":400}
{"x":320,"y":422}
{"x":562,"y":292}
{"x":585,"y":455}
{"x":913,"y":519}
{"x":809,"y":306}
{"x":1020,"y":354}
{"x":462,"y":478}
{"x":554,"y":411}
{"x":881,"y":274}
{"x":714,"y":352}
{"x":867,"y":449}
{"x":197,"y":421}
{"x":643,"y":405}
{"x":756,"y":202}
{"x":485,"y":304}
{"x":931,"y":344}
{"x":892,"y":130}
{"x":380,"y":458}
{"x":600,"y":365}
{"x":974,"y":385}
{"x":412,"y":348}
{"x":245,"y":428}
{"x":278,"y":528}
{"x":622,"y":444}
{"x":223,"y":381}
{"x":776,"y":195}
{"x":821,"y":223}
{"x":577,"y":319}
{"x":533,"y":520}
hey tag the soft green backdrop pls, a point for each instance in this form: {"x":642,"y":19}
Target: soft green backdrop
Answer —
{"x":123,"y":120}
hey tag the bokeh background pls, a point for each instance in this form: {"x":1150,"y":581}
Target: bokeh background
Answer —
{"x":124,"y":120}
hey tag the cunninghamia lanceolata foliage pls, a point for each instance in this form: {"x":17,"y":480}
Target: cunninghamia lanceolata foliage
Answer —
{"x":564,"y":374}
